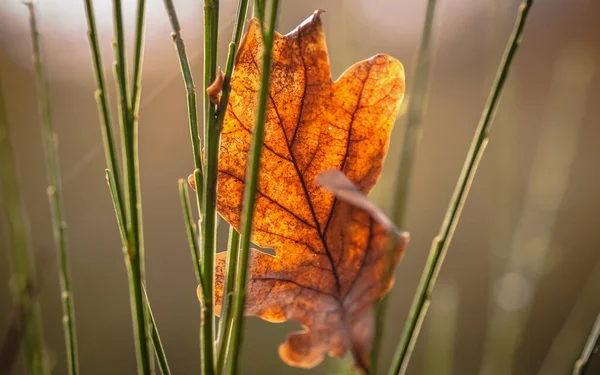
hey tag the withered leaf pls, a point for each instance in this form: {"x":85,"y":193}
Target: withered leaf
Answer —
{"x":330,"y":254}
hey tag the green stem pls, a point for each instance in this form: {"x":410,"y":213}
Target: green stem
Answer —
{"x":591,"y":347}
{"x":163,"y":364}
{"x":129,"y":127}
{"x":412,"y":135}
{"x":54,"y":192}
{"x":158,"y":346}
{"x":209,"y":189}
{"x":251,"y":185}
{"x":258,"y":9}
{"x":135,"y":189}
{"x":22,"y":266}
{"x":190,"y":228}
{"x":101,"y":95}
{"x":238,"y":28}
{"x":190,"y":88}
{"x":226,"y":322}
{"x":442,"y":241}
{"x":138,"y":58}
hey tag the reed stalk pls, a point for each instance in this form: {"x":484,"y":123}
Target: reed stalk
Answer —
{"x":250,"y":189}
{"x":412,"y":135}
{"x":54,"y":192}
{"x":442,"y":241}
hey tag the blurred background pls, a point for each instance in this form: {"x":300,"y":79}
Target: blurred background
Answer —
{"x":520,"y":287}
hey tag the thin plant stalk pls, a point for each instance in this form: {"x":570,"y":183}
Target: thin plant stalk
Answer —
{"x":250,"y":189}
{"x":163,"y":364}
{"x":226,"y":322}
{"x":190,"y":88}
{"x":190,"y":227}
{"x":442,"y":241}
{"x":135,"y":253}
{"x":54,"y":192}
{"x":113,"y":174}
{"x":22,"y":265}
{"x":227,"y":316}
{"x":412,"y":135}
{"x":258,"y":9}
{"x":134,"y":105}
{"x":529,"y":249}
{"x":209,"y":190}
{"x":591,"y":347}
{"x":104,"y":110}
{"x":158,"y":347}
{"x":238,"y":28}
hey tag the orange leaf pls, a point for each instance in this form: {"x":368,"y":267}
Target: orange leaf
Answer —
{"x":330,"y":265}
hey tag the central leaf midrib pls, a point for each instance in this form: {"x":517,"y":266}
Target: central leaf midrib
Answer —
{"x":298,"y":172}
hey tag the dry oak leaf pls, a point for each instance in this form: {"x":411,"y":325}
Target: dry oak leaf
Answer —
{"x":330,"y":255}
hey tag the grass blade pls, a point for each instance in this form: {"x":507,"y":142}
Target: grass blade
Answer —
{"x":442,"y":241}
{"x":54,"y":192}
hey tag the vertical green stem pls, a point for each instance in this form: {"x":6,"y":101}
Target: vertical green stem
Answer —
{"x":412,"y":135}
{"x":134,"y":186}
{"x":258,"y":9}
{"x":238,"y":28}
{"x":163,"y":364}
{"x":101,"y":95}
{"x":209,"y":189}
{"x":128,"y":115}
{"x":129,"y":126}
{"x":190,"y":88}
{"x":22,"y":265}
{"x":226,"y":322}
{"x":442,"y":241}
{"x":158,"y":347}
{"x":251,"y":185}
{"x":54,"y":192}
{"x":591,"y":347}
{"x":190,"y":228}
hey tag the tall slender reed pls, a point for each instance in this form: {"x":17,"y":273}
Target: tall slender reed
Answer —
{"x":153,"y":330}
{"x":104,"y":111}
{"x":192,"y":103}
{"x":531,"y":242}
{"x":23,"y":280}
{"x":590,"y":348}
{"x":126,"y":197}
{"x":190,"y":228}
{"x":129,"y":129}
{"x":227,"y":321}
{"x":440,"y":245}
{"x":412,"y":135}
{"x":209,"y":189}
{"x":251,"y":186}
{"x":54,"y":192}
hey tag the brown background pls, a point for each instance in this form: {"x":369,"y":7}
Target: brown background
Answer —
{"x":550,"y":109}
